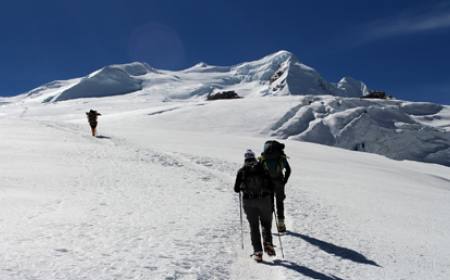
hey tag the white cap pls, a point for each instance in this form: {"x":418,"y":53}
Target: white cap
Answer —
{"x":249,"y":154}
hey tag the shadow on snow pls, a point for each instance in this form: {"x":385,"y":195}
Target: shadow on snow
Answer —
{"x":103,"y":137}
{"x":302,"y":270}
{"x":330,"y":248}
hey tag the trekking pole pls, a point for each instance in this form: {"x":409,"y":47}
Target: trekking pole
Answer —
{"x":240,"y":216}
{"x":279,"y":235}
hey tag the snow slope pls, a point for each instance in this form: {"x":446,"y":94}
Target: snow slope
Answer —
{"x":151,"y":197}
{"x":313,"y":110}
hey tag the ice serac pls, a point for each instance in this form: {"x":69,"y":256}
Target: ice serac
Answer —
{"x":108,"y":81}
{"x":397,"y":129}
{"x":421,"y":108}
{"x":352,"y":87}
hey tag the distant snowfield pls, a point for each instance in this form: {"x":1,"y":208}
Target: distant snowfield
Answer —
{"x":151,"y":197}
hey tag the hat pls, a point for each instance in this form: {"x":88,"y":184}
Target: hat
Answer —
{"x":249,"y":154}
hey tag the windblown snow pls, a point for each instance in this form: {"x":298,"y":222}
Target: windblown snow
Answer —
{"x":151,"y":197}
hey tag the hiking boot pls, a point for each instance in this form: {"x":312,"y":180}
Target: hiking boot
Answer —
{"x":281,"y":227}
{"x":268,"y":248}
{"x":257,"y":256}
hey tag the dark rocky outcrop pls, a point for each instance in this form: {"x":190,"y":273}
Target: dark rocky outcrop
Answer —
{"x":231,"y":94}
{"x":377,"y":95}
{"x":276,"y":76}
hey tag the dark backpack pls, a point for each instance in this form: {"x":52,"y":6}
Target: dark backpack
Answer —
{"x":273,"y":158}
{"x":273,"y":149}
{"x":253,"y":180}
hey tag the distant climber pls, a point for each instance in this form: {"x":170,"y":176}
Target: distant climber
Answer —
{"x":255,"y":184}
{"x":92,"y":118}
{"x":274,"y":160}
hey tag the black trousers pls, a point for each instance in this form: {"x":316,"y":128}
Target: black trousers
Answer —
{"x":259,"y":210}
{"x":280,"y":195}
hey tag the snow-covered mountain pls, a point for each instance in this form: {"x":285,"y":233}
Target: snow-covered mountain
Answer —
{"x":308,"y":107}
{"x":277,"y":74}
{"x":152,"y":196}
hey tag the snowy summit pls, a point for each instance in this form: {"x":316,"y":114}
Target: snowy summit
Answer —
{"x":277,"y":74}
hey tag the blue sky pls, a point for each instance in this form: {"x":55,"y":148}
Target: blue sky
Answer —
{"x":398,"y":46}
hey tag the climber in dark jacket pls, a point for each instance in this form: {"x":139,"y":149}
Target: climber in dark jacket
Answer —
{"x":92,"y":118}
{"x":255,"y":183}
{"x":274,"y":160}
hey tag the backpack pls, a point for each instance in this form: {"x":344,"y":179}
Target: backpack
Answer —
{"x":273,"y":149}
{"x":273,"y":158}
{"x":92,"y":116}
{"x":253,"y":180}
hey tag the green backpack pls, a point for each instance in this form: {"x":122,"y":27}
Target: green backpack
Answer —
{"x":273,"y":158}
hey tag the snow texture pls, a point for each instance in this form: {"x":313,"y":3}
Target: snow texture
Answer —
{"x":151,"y":197}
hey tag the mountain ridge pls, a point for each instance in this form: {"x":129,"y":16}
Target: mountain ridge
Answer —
{"x":277,"y":74}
